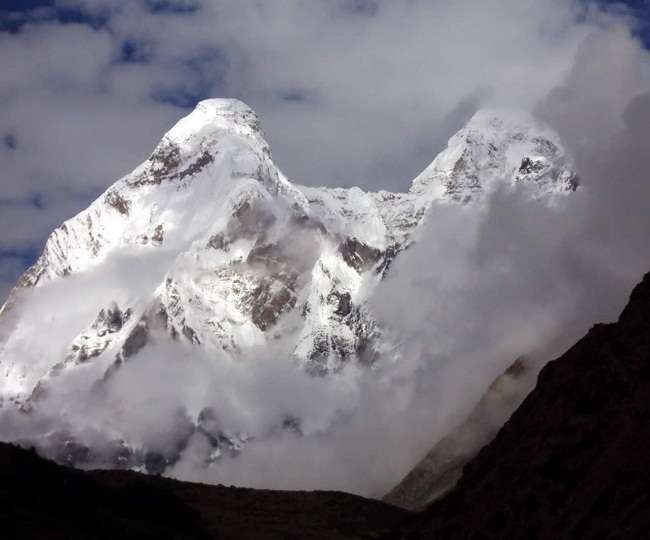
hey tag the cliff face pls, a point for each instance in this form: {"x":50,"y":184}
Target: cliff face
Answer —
{"x":572,"y":461}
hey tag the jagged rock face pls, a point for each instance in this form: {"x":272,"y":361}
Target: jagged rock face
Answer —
{"x":222,"y":252}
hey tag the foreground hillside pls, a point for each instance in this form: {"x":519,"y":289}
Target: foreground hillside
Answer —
{"x":39,"y":499}
{"x":572,"y":462}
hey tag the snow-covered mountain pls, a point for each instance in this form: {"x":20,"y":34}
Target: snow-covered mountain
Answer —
{"x":207,"y":246}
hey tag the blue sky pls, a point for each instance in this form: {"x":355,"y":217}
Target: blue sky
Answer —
{"x":350,"y":92}
{"x":639,"y":8}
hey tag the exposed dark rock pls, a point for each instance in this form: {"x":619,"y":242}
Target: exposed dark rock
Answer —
{"x":30,"y":277}
{"x":115,"y":200}
{"x":242,"y":210}
{"x":274,"y":293}
{"x":190,"y":334}
{"x":387,"y":259}
{"x":158,"y":235}
{"x":201,"y":162}
{"x":343,"y":301}
{"x":270,"y":299}
{"x":316,"y":364}
{"x":271,"y":256}
{"x":574,"y":183}
{"x":82,"y":353}
{"x":339,"y":347}
{"x":250,"y":219}
{"x":516,"y":369}
{"x":545,"y":147}
{"x":358,"y":255}
{"x":326,"y":345}
{"x":528,"y":165}
{"x":218,"y":241}
{"x":460,"y":165}
{"x":94,"y":243}
{"x":292,"y":423}
{"x":137,"y":339}
{"x":222,"y":443}
{"x":164,"y":162}
{"x":111,"y":320}
{"x":572,"y":461}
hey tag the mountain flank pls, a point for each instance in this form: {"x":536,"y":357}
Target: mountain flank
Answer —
{"x":572,"y":461}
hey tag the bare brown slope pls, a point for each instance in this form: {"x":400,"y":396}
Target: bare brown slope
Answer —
{"x":39,"y":499}
{"x":574,"y":460}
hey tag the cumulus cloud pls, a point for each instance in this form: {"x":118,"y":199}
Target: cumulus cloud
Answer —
{"x":350,"y":93}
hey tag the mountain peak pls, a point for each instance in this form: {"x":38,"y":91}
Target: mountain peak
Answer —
{"x":212,"y":116}
{"x":504,"y":119}
{"x":223,"y":106}
{"x":499,"y":145}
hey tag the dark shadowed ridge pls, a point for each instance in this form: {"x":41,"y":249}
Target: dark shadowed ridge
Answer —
{"x":40,"y":499}
{"x":572,"y":462}
{"x":437,"y":473}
